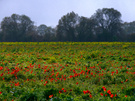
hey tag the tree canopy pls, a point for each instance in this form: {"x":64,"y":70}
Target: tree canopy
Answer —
{"x":104,"y":25}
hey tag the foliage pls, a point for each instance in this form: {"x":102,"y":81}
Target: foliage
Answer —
{"x":104,"y":25}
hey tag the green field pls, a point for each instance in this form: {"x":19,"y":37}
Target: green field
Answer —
{"x":67,"y":71}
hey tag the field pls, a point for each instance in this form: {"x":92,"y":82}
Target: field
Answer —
{"x":67,"y":71}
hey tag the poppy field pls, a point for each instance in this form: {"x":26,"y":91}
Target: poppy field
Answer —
{"x":67,"y":71}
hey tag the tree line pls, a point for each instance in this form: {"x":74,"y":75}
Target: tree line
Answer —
{"x":104,"y":25}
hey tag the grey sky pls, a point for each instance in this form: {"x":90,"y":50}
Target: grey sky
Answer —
{"x":49,"y":12}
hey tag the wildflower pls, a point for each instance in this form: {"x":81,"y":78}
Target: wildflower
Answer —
{"x":91,"y":73}
{"x":1,"y":68}
{"x":0,"y":92}
{"x":126,"y":80}
{"x":109,"y":92}
{"x":104,"y":88}
{"x":101,"y":94}
{"x":112,"y":73}
{"x":125,"y":95}
{"x":50,"y":96}
{"x":60,"y":91}
{"x":44,"y":84}
{"x":88,"y":91}
{"x":17,"y":84}
{"x":111,"y":95}
{"x":90,"y":96}
{"x":2,"y":74}
{"x":84,"y":92}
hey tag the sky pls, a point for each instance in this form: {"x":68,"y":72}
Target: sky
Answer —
{"x":49,"y":12}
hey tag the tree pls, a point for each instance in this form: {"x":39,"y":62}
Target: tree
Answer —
{"x":129,"y":28}
{"x":85,"y":29}
{"x":49,"y":34}
{"x":16,"y":27}
{"x":66,"y":29}
{"x":108,"y":24}
{"x":46,"y":33}
{"x":41,"y":29}
{"x":1,"y":35}
{"x":131,"y":37}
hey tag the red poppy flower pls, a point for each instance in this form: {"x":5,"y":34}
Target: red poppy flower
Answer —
{"x":0,"y":92}
{"x":90,"y":96}
{"x":1,"y":68}
{"x":126,"y":80}
{"x":111,"y":95}
{"x":101,"y":94}
{"x":60,"y":91}
{"x":125,"y":95}
{"x":17,"y":84}
{"x":2,"y":74}
{"x":50,"y":96}
{"x":104,"y":88}
{"x":91,"y":73}
{"x":84,"y":92}
{"x":109,"y":92}
{"x":88,"y":91}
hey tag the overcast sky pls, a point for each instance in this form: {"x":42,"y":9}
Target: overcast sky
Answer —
{"x":49,"y":12}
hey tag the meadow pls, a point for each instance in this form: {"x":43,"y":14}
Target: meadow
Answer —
{"x":67,"y":71}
